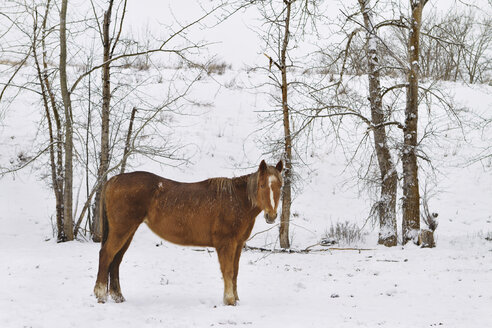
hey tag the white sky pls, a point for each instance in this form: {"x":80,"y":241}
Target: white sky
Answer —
{"x":233,"y":40}
{"x":236,"y":39}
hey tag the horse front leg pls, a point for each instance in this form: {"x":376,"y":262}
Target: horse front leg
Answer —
{"x":237,"y":255}
{"x":226,"y":254}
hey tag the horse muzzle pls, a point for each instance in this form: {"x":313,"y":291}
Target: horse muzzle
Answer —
{"x":270,"y":218}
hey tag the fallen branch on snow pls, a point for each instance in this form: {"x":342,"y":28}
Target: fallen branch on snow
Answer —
{"x":306,"y":250}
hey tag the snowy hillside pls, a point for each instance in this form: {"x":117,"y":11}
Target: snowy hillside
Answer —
{"x":47,"y":284}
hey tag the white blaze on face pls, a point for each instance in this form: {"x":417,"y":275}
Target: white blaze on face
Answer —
{"x":271,"y":179}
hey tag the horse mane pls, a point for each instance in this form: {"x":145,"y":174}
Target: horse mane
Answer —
{"x":227,"y":186}
{"x":252,"y":188}
{"x":222,"y":186}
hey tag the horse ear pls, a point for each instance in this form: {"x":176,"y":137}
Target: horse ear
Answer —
{"x":279,"y":166}
{"x":263,"y":166}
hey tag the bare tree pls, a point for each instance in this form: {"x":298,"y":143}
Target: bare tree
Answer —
{"x":386,"y":206}
{"x":394,"y":60}
{"x":52,"y":115}
{"x":67,"y":105}
{"x":279,"y":19}
{"x":411,"y":194}
{"x":477,"y":59}
{"x":320,"y":97}
{"x":109,"y":45}
{"x":36,"y":29}
{"x":454,"y":47}
{"x":287,"y":186}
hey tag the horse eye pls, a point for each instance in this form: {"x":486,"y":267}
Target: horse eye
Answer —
{"x":262,"y":186}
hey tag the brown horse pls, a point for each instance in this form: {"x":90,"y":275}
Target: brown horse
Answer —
{"x":218,"y":212}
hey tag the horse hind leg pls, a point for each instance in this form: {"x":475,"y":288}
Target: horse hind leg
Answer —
{"x":114,"y":273}
{"x":111,"y":247}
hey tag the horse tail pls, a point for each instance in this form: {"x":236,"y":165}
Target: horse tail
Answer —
{"x":103,"y":216}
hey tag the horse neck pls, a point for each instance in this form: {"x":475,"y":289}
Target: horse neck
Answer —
{"x":245,"y":185}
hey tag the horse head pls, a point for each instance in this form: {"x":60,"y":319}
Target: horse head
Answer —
{"x":269,"y":189}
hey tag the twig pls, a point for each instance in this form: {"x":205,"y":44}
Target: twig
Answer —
{"x":309,"y":247}
{"x":260,"y":232}
{"x":349,"y":249}
{"x":272,"y":62}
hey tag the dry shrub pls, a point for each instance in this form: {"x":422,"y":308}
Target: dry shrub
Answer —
{"x":218,"y":68}
{"x":343,"y":233}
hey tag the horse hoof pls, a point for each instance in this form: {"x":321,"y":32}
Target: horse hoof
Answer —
{"x":117,"y":297}
{"x":101,"y":299}
{"x":230,"y":301}
{"x":101,"y":293}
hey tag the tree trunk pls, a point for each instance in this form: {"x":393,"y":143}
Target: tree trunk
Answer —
{"x":126,"y":152}
{"x":386,"y":205}
{"x":106,"y":98}
{"x":68,"y":176}
{"x":59,"y":180}
{"x":44,"y":95}
{"x":287,"y":187}
{"x":411,"y":196}
{"x":56,"y":141}
{"x":87,"y":134}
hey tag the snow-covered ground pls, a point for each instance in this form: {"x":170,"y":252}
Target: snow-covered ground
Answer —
{"x":49,"y":285}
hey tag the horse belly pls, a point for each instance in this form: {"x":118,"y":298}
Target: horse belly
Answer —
{"x":181,"y":230}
